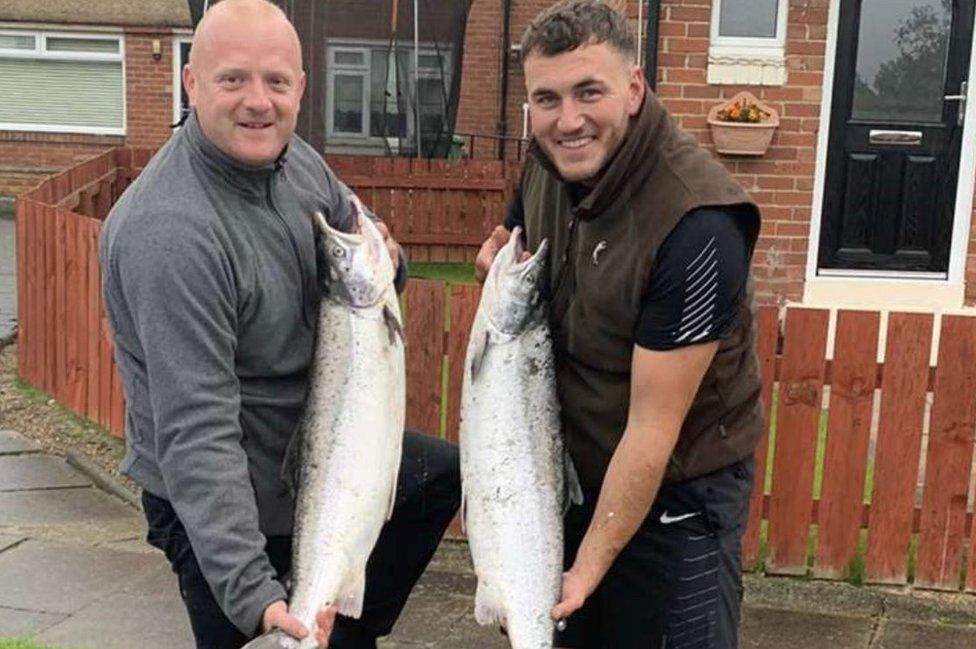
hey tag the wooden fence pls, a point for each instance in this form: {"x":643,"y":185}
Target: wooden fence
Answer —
{"x":438,"y":210}
{"x":65,"y":349}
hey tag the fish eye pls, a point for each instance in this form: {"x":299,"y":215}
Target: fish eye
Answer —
{"x":338,"y":252}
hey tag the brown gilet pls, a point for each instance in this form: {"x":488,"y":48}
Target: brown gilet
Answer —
{"x":657,"y":176}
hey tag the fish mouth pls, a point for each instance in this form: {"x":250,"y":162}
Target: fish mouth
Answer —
{"x":520,"y":247}
{"x":531,"y":263}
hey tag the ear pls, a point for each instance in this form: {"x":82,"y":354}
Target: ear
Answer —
{"x":190,"y":84}
{"x":636,"y":89}
{"x":301,"y":85}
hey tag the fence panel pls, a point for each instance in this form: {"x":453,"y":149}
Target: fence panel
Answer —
{"x":60,"y":317}
{"x":767,"y":334}
{"x":903,"y":386}
{"x":852,"y":383}
{"x":425,"y":354}
{"x":950,"y":453}
{"x":798,"y":416}
{"x":50,"y":300}
{"x":93,"y":342}
{"x":73,"y":309}
{"x":20,"y":243}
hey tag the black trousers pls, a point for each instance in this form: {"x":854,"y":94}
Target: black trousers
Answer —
{"x":678,"y":583}
{"x":428,"y":495}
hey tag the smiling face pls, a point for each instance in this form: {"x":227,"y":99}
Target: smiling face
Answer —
{"x":245,"y":80}
{"x":580,"y":104}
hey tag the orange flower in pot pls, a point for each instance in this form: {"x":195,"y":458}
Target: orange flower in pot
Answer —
{"x":742,"y":125}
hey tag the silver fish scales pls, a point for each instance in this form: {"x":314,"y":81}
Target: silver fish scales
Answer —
{"x":352,"y":431}
{"x":514,"y":469}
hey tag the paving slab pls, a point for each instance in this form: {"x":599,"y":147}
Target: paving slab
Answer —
{"x":18,"y":622}
{"x":765,"y":628}
{"x":908,"y":635}
{"x":50,"y":506}
{"x":10,"y":540}
{"x":12,"y":442}
{"x":23,"y":472}
{"x":147,"y":613}
{"x":61,"y":578}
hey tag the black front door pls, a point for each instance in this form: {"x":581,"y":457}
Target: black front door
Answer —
{"x":895,"y":134}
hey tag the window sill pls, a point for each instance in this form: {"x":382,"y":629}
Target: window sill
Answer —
{"x":753,"y":66}
{"x":898,"y":293}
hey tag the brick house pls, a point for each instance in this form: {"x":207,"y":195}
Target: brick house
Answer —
{"x":78,"y":77}
{"x":867,"y":187}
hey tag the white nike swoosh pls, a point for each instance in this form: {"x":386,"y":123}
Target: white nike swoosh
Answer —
{"x":667,"y":520}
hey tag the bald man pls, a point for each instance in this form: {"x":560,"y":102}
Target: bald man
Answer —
{"x":209,"y":270}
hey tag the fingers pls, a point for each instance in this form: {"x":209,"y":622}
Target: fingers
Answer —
{"x":276,"y":616}
{"x":290,"y":625}
{"x":572,"y":598}
{"x":391,"y":245}
{"x":325,"y":620}
{"x":499,"y":237}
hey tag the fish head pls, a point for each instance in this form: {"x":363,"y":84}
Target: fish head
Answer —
{"x":356,"y":266}
{"x":515,"y":287}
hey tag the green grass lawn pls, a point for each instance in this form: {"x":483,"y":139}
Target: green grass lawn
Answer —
{"x":22,"y":643}
{"x":450,"y":273}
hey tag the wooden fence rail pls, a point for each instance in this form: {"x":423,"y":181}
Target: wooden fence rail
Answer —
{"x":865,"y":501}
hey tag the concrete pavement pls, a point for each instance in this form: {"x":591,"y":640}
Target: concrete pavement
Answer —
{"x":75,"y":572}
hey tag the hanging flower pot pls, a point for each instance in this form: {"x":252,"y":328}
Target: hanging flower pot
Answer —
{"x":742,"y":125}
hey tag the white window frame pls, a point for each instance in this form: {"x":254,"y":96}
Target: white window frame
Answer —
{"x":750,"y":43}
{"x":748,"y":60}
{"x":347,"y":70}
{"x":178,"y":40}
{"x":40,"y":52}
{"x":366,"y":47}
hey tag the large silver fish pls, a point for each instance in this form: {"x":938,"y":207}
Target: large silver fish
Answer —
{"x":514,"y":470}
{"x":352,"y":431}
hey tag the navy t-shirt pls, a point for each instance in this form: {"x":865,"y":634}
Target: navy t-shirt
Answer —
{"x":697,"y":282}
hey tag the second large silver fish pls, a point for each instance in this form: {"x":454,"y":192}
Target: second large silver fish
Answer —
{"x":513,"y":467}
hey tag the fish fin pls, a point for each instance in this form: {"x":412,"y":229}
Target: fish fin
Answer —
{"x":273,"y":639}
{"x":393,"y":326}
{"x":350,"y":600}
{"x":574,"y":491}
{"x":478,"y":350}
{"x":487,"y":605}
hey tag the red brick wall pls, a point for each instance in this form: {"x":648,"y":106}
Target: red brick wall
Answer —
{"x":480,"y":88}
{"x":25,"y":158}
{"x":970,"y":274}
{"x":781,"y":181}
{"x":149,"y":89}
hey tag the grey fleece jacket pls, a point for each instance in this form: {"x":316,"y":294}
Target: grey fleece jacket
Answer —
{"x":209,"y":282}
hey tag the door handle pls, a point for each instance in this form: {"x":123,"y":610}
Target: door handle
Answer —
{"x":961,"y":98}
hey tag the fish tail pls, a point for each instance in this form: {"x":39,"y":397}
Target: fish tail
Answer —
{"x":488,"y":606}
{"x":350,"y":600}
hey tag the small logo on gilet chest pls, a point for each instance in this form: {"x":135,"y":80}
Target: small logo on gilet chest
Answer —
{"x":597,"y":251}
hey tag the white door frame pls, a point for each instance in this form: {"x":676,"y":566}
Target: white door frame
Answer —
{"x":962,"y":217}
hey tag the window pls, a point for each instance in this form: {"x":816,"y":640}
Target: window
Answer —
{"x":372,"y":94}
{"x":748,"y":40}
{"x":181,"y":56}
{"x":61,"y":82}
